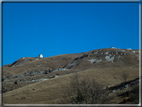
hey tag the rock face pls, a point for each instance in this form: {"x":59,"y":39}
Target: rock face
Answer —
{"x":108,"y":59}
{"x":94,"y":60}
{"x":60,"y":69}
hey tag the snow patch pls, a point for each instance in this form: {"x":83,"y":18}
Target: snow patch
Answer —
{"x":59,"y":69}
{"x":134,"y":51}
{"x":119,"y":57}
{"x":56,"y":76}
{"x":109,"y":59}
{"x":72,"y":64}
{"x":106,"y":53}
{"x":94,"y":60}
{"x":110,"y":55}
{"x":36,"y":59}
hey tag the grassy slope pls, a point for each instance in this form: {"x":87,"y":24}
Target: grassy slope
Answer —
{"x":47,"y":63}
{"x":51,"y":91}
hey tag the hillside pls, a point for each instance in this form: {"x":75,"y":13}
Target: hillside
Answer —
{"x":32,"y":80}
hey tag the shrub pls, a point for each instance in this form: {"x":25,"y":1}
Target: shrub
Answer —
{"x":15,"y":82}
{"x":85,"y":91}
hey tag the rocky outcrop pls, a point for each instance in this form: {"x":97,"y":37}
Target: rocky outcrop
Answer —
{"x":94,"y":60}
{"x":60,"y":69}
{"x":109,"y":59}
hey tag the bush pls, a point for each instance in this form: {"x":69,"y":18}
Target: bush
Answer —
{"x":85,"y":91}
{"x":15,"y":82}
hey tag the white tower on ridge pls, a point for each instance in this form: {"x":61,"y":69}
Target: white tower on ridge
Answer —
{"x":40,"y":56}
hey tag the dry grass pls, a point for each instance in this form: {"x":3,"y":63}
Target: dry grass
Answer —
{"x":48,"y":63}
{"x":50,"y":91}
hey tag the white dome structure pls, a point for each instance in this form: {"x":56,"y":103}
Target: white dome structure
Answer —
{"x":112,"y":47}
{"x":40,"y":56}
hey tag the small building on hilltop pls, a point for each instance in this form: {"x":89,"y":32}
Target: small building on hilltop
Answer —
{"x":40,"y":56}
{"x":112,"y":47}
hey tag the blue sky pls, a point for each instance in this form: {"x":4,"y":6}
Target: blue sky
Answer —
{"x":30,"y":29}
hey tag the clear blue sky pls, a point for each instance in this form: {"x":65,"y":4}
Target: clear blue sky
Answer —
{"x":30,"y":29}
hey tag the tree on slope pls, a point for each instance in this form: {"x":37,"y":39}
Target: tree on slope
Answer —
{"x":85,"y":91}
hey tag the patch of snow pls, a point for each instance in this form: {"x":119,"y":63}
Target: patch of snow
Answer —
{"x":43,"y":79}
{"x":94,"y":60}
{"x":106,"y":53}
{"x":127,"y":86}
{"x":59,"y":69}
{"x":121,"y":53}
{"x":23,"y":57}
{"x":40,"y":80}
{"x":124,"y":53}
{"x":113,"y":91}
{"x":41,"y":72}
{"x":72,"y":64}
{"x":119,"y":57}
{"x":109,"y":59}
{"x":63,"y":69}
{"x":134,"y":51}
{"x":56,"y":76}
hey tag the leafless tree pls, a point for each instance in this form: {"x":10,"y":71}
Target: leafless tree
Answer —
{"x":125,"y":75}
{"x":85,"y":91}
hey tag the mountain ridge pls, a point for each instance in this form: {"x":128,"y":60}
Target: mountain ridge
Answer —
{"x":105,"y":65}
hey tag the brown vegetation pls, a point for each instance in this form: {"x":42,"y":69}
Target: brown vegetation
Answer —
{"x":85,"y":91}
{"x":91,"y":78}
